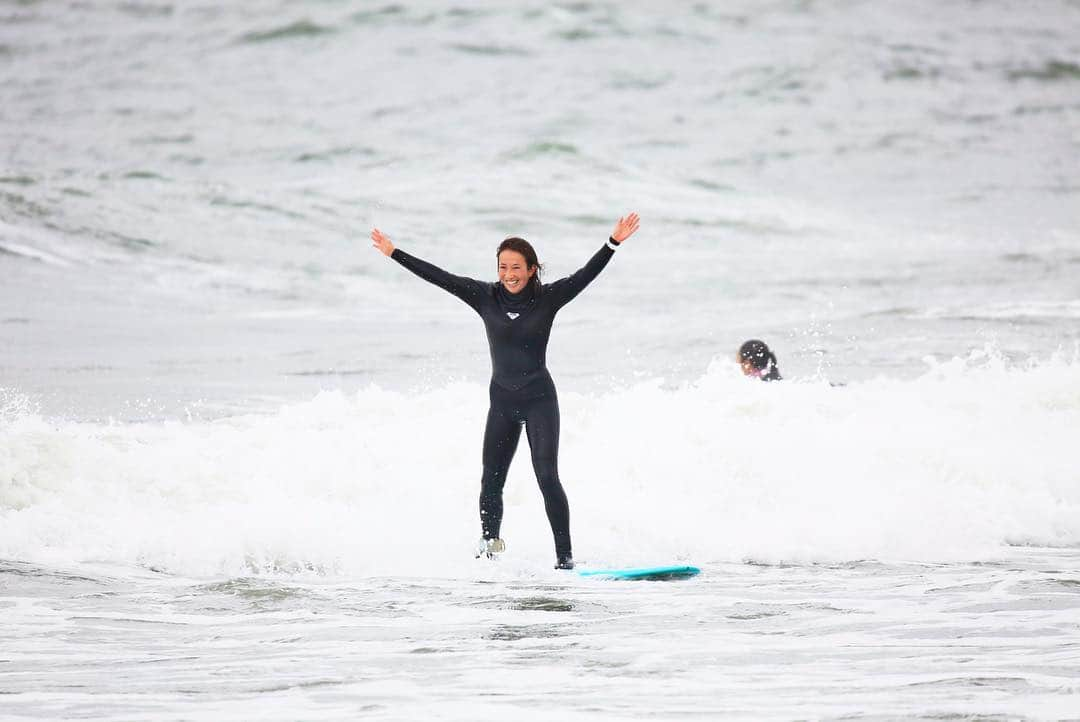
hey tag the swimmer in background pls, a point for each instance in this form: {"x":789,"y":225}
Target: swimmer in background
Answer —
{"x":757,"y":360}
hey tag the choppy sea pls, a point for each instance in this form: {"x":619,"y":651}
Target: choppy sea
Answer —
{"x":240,"y":450}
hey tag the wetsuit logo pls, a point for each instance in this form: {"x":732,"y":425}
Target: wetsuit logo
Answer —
{"x":512,"y":315}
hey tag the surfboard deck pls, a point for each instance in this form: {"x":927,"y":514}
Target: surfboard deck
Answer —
{"x":665,"y":573}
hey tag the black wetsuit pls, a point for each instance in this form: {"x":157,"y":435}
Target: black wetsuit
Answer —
{"x":521,"y":391}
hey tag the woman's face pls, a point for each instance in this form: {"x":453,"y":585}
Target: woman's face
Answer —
{"x":514,"y":274}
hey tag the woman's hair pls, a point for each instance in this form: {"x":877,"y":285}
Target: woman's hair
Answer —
{"x":758,"y":355}
{"x":524,"y":248}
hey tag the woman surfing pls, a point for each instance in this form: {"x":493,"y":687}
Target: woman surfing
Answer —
{"x":518,"y":311}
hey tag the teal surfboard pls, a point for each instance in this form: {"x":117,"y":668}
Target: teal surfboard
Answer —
{"x":643,"y":573}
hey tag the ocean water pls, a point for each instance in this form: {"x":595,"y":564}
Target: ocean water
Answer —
{"x":239,"y":449}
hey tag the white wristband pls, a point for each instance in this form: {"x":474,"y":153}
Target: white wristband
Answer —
{"x":612,"y":245}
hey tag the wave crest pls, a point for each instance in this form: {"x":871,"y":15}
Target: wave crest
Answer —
{"x":954,"y":465}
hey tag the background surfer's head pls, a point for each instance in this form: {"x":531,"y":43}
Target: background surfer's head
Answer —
{"x":518,"y":266}
{"x":756,"y":359}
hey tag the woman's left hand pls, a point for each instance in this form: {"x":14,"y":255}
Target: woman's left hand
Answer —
{"x":625,"y":227}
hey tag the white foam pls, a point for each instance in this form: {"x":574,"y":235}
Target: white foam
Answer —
{"x":973,"y":455}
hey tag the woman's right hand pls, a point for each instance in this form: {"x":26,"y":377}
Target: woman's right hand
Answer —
{"x":381,"y":242}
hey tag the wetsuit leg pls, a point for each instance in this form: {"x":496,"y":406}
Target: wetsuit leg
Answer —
{"x":500,"y":441}
{"x":542,"y":428}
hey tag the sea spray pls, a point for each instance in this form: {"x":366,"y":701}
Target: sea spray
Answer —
{"x":973,"y":455}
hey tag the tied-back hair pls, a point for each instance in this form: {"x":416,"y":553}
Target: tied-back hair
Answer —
{"x":525,"y":249}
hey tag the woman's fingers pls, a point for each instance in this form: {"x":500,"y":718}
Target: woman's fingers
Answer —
{"x":625,"y":227}
{"x":380,"y":241}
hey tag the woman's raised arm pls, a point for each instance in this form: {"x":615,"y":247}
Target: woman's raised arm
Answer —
{"x":467,"y":289}
{"x":565,"y":289}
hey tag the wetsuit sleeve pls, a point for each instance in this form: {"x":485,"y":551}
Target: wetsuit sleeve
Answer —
{"x":467,"y":289}
{"x":565,"y":289}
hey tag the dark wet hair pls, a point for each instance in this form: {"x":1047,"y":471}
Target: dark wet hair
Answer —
{"x":524,"y":248}
{"x":758,"y":355}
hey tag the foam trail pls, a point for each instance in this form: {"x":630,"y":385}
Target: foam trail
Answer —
{"x":971,"y":456}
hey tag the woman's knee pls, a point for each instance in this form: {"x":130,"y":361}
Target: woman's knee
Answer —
{"x":547,"y":475}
